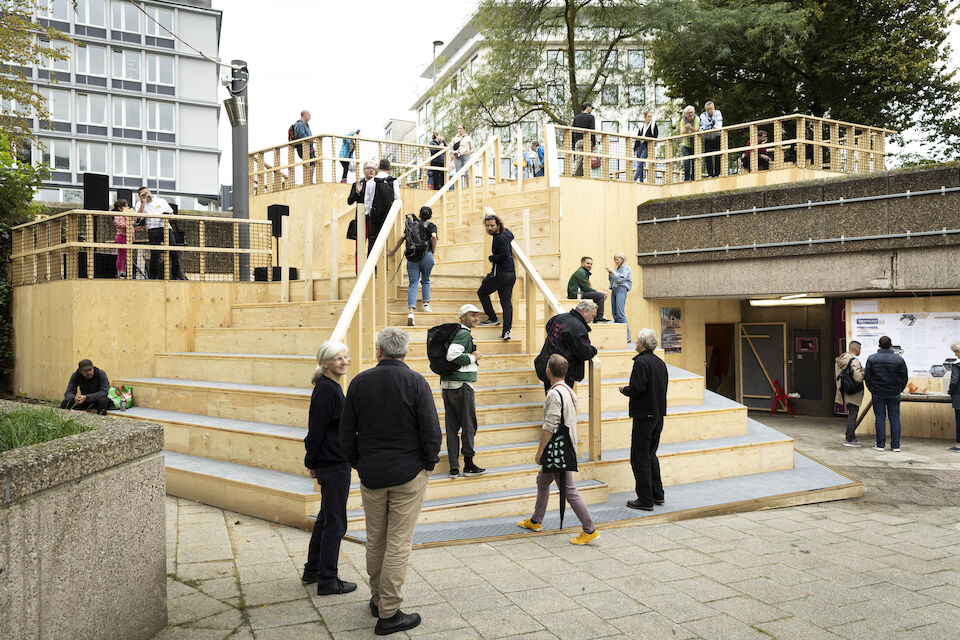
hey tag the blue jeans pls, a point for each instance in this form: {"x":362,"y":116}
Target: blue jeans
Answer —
{"x":419,"y":271}
{"x":640,"y":173}
{"x":883,"y":407}
{"x":619,"y":295}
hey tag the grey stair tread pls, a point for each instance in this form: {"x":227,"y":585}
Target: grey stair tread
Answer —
{"x":247,"y":426}
{"x":711,"y":402}
{"x":277,"y":480}
{"x":807,"y":475}
{"x":224,"y":386}
{"x":757,"y":433}
{"x":491,"y":471}
{"x":491,"y":495}
{"x":201,"y":354}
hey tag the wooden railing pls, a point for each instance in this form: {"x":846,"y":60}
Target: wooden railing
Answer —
{"x":533,"y":282}
{"x":793,"y":141}
{"x":316,"y":160}
{"x":80,"y":244}
{"x":366,"y":307}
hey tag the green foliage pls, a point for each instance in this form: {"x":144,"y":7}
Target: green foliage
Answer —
{"x":18,"y":182}
{"x":22,"y":46}
{"x":516,"y":82}
{"x":26,"y":426}
{"x":882,"y":63}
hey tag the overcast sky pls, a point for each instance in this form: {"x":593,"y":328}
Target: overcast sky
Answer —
{"x":319,"y":55}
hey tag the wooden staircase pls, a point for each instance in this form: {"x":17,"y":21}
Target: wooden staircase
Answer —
{"x":234,"y":410}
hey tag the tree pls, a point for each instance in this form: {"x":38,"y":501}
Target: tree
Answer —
{"x":882,"y":63}
{"x":20,"y":48}
{"x":516,"y":80}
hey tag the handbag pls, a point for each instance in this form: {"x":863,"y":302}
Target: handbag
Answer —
{"x":121,"y":398}
{"x":559,"y":455}
{"x":352,"y":230}
{"x":594,"y":163}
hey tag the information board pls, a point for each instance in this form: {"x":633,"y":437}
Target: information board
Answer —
{"x":923,"y":339}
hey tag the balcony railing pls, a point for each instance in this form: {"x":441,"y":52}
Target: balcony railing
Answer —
{"x":791,"y":141}
{"x":107,"y":244}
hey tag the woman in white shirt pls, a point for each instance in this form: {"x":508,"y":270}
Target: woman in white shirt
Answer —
{"x":462,"y":147}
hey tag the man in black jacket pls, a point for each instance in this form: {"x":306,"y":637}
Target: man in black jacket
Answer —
{"x":567,"y":335}
{"x":647,"y":391}
{"x":583,"y":120}
{"x":502,"y":276}
{"x":390,"y":434}
{"x":87,"y":389}
{"x":886,"y":377}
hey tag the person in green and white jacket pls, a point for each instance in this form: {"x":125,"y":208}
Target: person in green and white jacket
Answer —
{"x":460,"y":409}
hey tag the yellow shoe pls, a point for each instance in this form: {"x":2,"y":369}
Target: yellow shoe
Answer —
{"x":585,"y":538}
{"x":530,"y":524}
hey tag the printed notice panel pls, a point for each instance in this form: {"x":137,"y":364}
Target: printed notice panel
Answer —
{"x":923,"y":339}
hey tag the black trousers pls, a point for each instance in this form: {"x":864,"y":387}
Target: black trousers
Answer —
{"x":346,"y":167}
{"x":598,"y":298}
{"x":643,"y":458}
{"x":502,"y":283}
{"x":100,"y":405}
{"x":713,"y":162}
{"x":852,"y":413}
{"x":331,"y":524}
{"x":438,"y":176}
{"x":155,"y":237}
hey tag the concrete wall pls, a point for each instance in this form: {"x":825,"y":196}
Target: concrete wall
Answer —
{"x":82,"y":535}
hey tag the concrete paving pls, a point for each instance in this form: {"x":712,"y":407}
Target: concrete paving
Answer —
{"x":883,"y":566}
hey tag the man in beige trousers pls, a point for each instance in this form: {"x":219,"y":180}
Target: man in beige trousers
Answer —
{"x":390,"y":434}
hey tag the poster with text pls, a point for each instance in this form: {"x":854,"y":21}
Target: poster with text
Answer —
{"x":922,"y":339}
{"x":671,"y":337}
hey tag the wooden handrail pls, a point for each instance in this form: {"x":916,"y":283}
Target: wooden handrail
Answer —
{"x":318,"y":136}
{"x":134,"y":214}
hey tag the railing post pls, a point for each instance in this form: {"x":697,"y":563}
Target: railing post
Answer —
{"x":669,"y":165}
{"x":166,"y":252}
{"x":285,"y":259}
{"x":724,"y":156}
{"x":201,"y":242}
{"x":236,"y":255}
{"x":777,"y":145}
{"x":596,"y":409}
{"x":361,"y":218}
{"x":497,"y":164}
{"x":519,"y":135}
{"x":88,"y":237}
{"x":754,"y":153}
{"x":334,"y":257}
{"x":459,"y":189}
{"x":485,"y":160}
{"x":568,"y":158}
{"x":698,"y":163}
{"x":605,"y":161}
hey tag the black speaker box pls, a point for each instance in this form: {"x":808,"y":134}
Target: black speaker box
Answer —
{"x":274,"y":213}
{"x":260,"y":274}
{"x":104,"y":265}
{"x":278,"y":273}
{"x":96,"y":192}
{"x":125,"y":194}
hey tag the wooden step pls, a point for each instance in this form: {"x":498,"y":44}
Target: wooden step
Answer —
{"x":287,"y":314}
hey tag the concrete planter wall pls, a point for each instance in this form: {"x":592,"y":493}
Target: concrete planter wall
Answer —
{"x":82,"y":551}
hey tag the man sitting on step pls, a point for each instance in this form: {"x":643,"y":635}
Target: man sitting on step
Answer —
{"x":87,"y":389}
{"x":460,"y":410}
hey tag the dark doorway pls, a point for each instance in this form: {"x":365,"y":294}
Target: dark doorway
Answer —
{"x":719,"y":359}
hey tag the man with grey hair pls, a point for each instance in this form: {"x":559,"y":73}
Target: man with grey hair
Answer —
{"x":567,"y":334}
{"x":647,"y":391}
{"x":301,"y":129}
{"x":688,"y":124}
{"x":390,"y":434}
{"x":711,"y":120}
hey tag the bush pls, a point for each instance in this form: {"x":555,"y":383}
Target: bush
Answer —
{"x":23,"y":427}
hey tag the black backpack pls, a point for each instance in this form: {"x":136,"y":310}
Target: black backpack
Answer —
{"x":292,"y":132}
{"x":439,"y":339}
{"x":849,"y":386}
{"x":416,"y":237}
{"x":383,"y":195}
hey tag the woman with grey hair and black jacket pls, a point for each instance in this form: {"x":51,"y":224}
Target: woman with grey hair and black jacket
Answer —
{"x":621,"y":281}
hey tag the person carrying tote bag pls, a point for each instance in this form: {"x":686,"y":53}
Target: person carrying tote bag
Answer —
{"x":557,"y":455}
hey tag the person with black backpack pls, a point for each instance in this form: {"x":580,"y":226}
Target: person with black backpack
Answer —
{"x":453,"y":356}
{"x":849,"y":376}
{"x":377,"y":201}
{"x":420,"y":236}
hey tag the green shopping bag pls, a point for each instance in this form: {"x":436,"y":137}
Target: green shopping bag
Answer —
{"x":121,"y":398}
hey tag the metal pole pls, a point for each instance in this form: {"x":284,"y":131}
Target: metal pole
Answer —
{"x":237,"y":111}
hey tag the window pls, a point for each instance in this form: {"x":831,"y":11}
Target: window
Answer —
{"x":611,"y":126}
{"x":92,"y":12}
{"x":91,"y":60}
{"x":164,"y":17}
{"x":92,"y":109}
{"x":555,"y":57}
{"x":126,"y":17}
{"x":529,"y":95}
{"x":126,"y":161}
{"x":660,"y":94}
{"x":428,"y":107}
{"x":126,"y":113}
{"x":554,"y":93}
{"x":159,"y":69}
{"x":636,"y":59}
{"x":56,"y":65}
{"x":58,"y":104}
{"x":53,"y":9}
{"x":421,"y":115}
{"x":161,"y":164}
{"x":581,"y":58}
{"x":613,"y":59}
{"x":56,"y":154}
{"x":633,"y":126}
{"x":91,"y":157}
{"x":610,"y":94}
{"x":10,"y":107}
{"x":126,"y":64}
{"x":636,"y":95}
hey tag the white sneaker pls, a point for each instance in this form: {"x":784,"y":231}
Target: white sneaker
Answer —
{"x":876,"y":448}
{"x":410,"y":319}
{"x":896,"y":450}
{"x":426,"y":308}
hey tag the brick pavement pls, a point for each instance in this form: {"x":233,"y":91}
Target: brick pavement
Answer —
{"x":883,"y":566}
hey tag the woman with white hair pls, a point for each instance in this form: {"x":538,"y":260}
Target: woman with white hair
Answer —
{"x":955,"y":390}
{"x":325,"y":462}
{"x":621,"y":281}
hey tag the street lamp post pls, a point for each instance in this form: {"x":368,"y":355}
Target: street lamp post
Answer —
{"x":436,"y":43}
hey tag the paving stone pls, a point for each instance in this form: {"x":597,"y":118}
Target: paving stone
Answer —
{"x":283,"y":613}
{"x":311,"y":630}
{"x":769,"y":591}
{"x":517,"y":579}
{"x":665,"y":571}
{"x":271,"y":591}
{"x":538,"y":601}
{"x":679,"y":607}
{"x":475,"y":597}
{"x":576,"y":624}
{"x":525,"y":551}
{"x":503,"y":621}
{"x":229,"y":619}
{"x":220,"y":588}
{"x":186,"y":633}
{"x":203,"y":552}
{"x":206,"y":570}
{"x":894,"y":594}
{"x":193,"y":606}
{"x":579,"y":582}
{"x":176,"y":589}
{"x":609,"y":568}
{"x":724,"y":572}
{"x":437,"y":558}
{"x":640,"y":587}
{"x":703,"y":589}
{"x":436,"y":618}
{"x":724,"y":627}
{"x":266,"y":572}
{"x":651,"y":625}
{"x":610,"y":604}
{"x":748,"y":610}
{"x":825,"y":614}
{"x":443,"y":579}
{"x":795,"y":629}
{"x":686,"y":557}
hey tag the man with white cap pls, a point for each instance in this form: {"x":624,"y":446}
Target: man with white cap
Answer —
{"x":460,"y":411}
